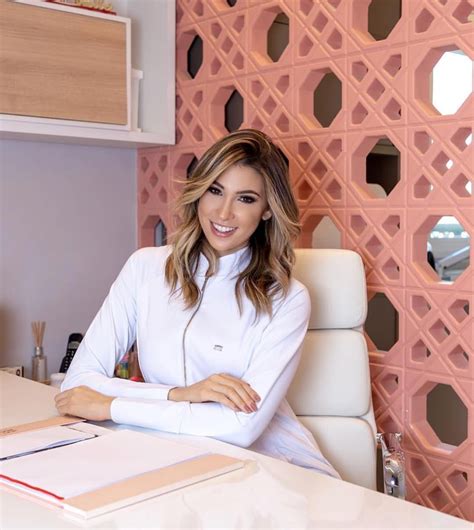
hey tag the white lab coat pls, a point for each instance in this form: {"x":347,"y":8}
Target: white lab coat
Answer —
{"x":176,"y":345}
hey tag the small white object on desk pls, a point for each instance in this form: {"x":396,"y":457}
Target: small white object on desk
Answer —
{"x":56,"y":379}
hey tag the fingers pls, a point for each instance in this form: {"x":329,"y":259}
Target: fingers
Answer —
{"x":242,"y":384}
{"x":231,"y":394}
{"x":239,"y":392}
{"x":85,"y":403}
{"x":218,"y":397}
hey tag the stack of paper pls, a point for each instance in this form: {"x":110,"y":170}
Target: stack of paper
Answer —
{"x":108,"y":472}
{"x":25,"y":443}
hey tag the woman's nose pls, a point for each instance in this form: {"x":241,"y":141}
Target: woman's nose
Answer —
{"x":225,"y":210}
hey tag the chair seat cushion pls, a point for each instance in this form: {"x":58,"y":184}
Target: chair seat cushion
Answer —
{"x":349,"y":444}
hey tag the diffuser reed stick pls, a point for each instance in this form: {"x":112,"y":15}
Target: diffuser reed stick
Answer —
{"x":38,"y":328}
{"x":39,"y":359}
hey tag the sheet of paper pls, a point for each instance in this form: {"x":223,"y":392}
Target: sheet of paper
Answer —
{"x":30,"y":441}
{"x":91,"y":464}
{"x":90,"y":428}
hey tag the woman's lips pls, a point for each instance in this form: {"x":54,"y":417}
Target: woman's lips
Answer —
{"x":222,"y":234}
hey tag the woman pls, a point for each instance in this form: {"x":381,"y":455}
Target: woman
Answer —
{"x":218,"y":319}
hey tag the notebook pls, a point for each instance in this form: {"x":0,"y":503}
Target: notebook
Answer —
{"x":105,"y":473}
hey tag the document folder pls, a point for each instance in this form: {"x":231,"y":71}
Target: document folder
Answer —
{"x":108,"y":472}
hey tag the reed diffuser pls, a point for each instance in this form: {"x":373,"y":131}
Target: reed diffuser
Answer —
{"x":39,"y":359}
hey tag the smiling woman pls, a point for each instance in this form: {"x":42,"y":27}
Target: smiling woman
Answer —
{"x":219,"y":320}
{"x":232,"y":208}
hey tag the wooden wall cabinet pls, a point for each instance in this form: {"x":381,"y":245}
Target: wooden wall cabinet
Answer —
{"x":65,"y":73}
{"x":62,"y":65}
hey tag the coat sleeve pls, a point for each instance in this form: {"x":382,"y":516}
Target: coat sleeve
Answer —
{"x":108,"y":338}
{"x":270,"y":372}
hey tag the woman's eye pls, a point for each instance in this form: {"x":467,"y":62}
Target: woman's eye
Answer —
{"x":214,"y":190}
{"x":247,"y":199}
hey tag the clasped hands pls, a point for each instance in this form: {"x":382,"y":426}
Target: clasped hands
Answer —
{"x":230,"y":391}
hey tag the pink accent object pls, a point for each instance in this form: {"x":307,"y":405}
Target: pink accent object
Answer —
{"x":385,"y":92}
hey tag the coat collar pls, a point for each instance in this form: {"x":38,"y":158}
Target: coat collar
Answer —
{"x":229,"y":265}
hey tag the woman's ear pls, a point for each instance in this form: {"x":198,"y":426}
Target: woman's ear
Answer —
{"x":266,"y":216}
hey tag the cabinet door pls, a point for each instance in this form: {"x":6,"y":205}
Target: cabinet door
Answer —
{"x":62,"y":65}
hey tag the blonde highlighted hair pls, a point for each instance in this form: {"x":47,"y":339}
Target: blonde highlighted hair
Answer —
{"x":272,"y":257}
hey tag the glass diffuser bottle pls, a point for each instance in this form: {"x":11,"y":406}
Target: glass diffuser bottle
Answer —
{"x":39,"y":364}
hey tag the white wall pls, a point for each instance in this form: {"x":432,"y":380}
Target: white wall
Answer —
{"x":67,"y":225}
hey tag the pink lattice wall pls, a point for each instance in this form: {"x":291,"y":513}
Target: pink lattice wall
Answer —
{"x":385,"y":92}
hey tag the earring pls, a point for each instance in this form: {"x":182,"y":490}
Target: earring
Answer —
{"x":266,"y":216}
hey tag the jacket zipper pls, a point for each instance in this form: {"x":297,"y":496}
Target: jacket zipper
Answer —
{"x":186,"y":329}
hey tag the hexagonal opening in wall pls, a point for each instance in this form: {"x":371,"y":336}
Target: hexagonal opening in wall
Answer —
{"x":326,"y":234}
{"x":327,"y":99}
{"x":382,"y":322}
{"x":234,"y":111}
{"x":376,"y":166}
{"x":320,"y":97}
{"x":269,"y":35}
{"x":195,"y":56}
{"x":451,"y":81}
{"x":382,"y":168}
{"x":160,"y":234}
{"x":278,"y":36}
{"x":382,"y":17}
{"x":447,"y":415}
{"x":443,"y":80}
{"x":442,"y":248}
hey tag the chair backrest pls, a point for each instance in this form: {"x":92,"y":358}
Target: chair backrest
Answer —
{"x":331,"y":391}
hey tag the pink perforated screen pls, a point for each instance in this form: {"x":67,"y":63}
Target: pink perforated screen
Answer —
{"x":384,"y":93}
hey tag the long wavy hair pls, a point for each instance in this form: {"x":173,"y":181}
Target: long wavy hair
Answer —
{"x":272,"y":257}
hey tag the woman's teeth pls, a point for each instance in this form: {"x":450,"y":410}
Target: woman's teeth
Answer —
{"x":222,"y":229}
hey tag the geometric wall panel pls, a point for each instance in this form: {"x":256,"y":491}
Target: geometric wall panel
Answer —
{"x":373,"y":171}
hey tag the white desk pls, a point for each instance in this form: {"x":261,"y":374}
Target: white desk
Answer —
{"x":266,"y":494}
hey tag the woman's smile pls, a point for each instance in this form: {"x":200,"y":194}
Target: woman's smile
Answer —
{"x":222,"y":231}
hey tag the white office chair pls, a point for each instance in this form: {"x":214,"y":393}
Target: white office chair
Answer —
{"x":331,"y":391}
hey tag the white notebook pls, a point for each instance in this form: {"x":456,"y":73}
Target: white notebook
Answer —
{"x":108,"y":472}
{"x":92,"y":464}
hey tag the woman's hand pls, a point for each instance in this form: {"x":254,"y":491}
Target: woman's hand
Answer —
{"x":220,"y":388}
{"x":84,"y":402}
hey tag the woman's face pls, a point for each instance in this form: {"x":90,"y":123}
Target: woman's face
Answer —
{"x":231,"y":209}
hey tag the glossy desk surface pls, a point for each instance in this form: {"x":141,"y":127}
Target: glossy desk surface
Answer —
{"x":267,"y":493}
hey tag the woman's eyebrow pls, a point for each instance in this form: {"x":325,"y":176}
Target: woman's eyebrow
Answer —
{"x":241,"y":192}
